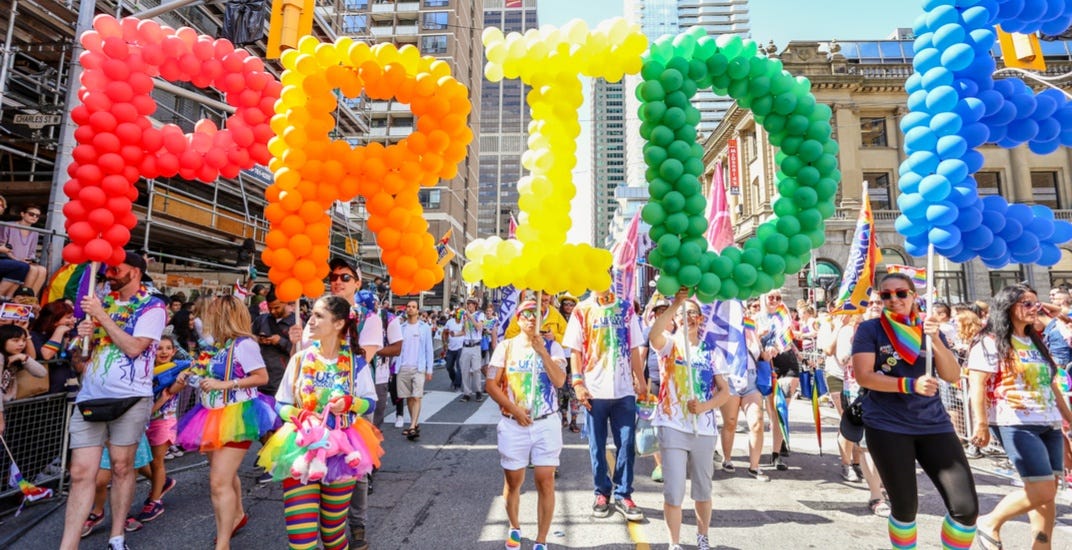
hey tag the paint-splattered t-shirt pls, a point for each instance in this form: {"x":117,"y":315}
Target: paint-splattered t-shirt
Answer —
{"x":1020,"y":390}
{"x":524,"y":367}
{"x":605,"y":335}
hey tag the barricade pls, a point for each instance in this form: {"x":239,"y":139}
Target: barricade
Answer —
{"x":36,"y":432}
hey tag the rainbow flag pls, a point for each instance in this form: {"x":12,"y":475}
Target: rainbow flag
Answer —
{"x":859,"y":278}
{"x":782,"y":328}
{"x":30,"y":492}
{"x":918,"y":275}
{"x":70,"y":282}
{"x":749,"y":324}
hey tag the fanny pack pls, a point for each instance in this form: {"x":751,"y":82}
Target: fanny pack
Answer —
{"x":106,"y":410}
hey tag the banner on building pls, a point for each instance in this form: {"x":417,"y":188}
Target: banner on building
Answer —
{"x":735,"y":179}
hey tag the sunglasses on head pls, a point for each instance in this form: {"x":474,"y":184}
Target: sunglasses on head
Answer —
{"x":345,"y":277}
{"x":900,"y":293}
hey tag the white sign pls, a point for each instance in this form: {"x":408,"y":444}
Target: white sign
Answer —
{"x":38,"y":121}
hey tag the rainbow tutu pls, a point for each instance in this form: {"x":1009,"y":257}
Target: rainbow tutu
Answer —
{"x":279,"y":453}
{"x":207,"y":429}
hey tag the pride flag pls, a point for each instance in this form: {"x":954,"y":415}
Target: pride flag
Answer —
{"x":30,"y":492}
{"x":918,"y":275}
{"x":719,"y":226}
{"x":856,"y":286}
{"x":625,"y":260}
{"x":71,"y":282}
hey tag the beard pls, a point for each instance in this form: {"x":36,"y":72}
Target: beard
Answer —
{"x":117,"y":283}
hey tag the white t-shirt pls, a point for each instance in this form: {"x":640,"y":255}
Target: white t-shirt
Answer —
{"x":1019,"y":393}
{"x":111,"y":374}
{"x":605,"y":336}
{"x":371,"y":334}
{"x":363,"y":386}
{"x":411,"y":346}
{"x":524,"y":367}
{"x":394,"y":334}
{"x":454,"y":343}
{"x":246,"y":359}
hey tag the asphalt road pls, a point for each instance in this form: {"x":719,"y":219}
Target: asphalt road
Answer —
{"x":443,"y":491}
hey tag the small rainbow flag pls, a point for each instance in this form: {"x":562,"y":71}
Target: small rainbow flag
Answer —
{"x":30,"y":492}
{"x":918,"y":275}
{"x":782,"y":323}
{"x":749,"y":324}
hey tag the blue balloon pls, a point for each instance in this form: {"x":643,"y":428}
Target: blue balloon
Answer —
{"x":1056,"y":26}
{"x":1026,"y":242}
{"x":958,"y":57}
{"x":907,"y":227}
{"x":917,"y":101}
{"x":1010,"y":9}
{"x":975,"y":160}
{"x":946,"y":124}
{"x":968,"y":219}
{"x":1020,"y":212}
{"x":912,"y":205}
{"x":1048,"y":130}
{"x":1024,"y":99}
{"x":957,"y":248}
{"x":1012,"y":230}
{"x":948,"y":35}
{"x":1062,"y":232}
{"x":941,"y":99}
{"x":996,"y":249}
{"x":965,"y":255}
{"x":929,"y":5}
{"x":997,"y":133}
{"x":1046,"y":105}
{"x":975,"y":134}
{"x":914,"y":83}
{"x":1044,"y":147}
{"x":935,"y":188}
{"x":952,"y":169}
{"x":992,"y":100}
{"x":944,"y":236}
{"x":1066,"y":137}
{"x":976,"y":17}
{"x":971,"y":108}
{"x":941,"y":213}
{"x":966,"y":87}
{"x":941,"y":15}
{"x":937,"y":76}
{"x":1041,"y":227}
{"x":996,"y":204}
{"x":920,"y":139}
{"x":916,"y":245}
{"x":1042,"y":212}
{"x":923,"y":162}
{"x":951,"y":148}
{"x":909,"y":182}
{"x":1029,"y":256}
{"x":1050,"y":255}
{"x":1004,"y":115}
{"x":997,"y":262}
{"x":978,"y":239}
{"x":914,"y":119}
{"x":963,"y":195}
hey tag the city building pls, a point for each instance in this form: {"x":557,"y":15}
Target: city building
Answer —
{"x":204,"y":237}
{"x":503,"y":125}
{"x":863,"y":82}
{"x":608,"y":155}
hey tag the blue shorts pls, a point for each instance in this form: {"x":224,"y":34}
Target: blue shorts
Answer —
{"x":1037,"y":451}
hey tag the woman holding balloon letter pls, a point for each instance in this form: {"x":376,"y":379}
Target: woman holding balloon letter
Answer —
{"x":685,"y":416}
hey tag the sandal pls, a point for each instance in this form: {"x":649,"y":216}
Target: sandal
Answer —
{"x":988,"y":541}
{"x":573,"y":427}
{"x":879,"y":507}
{"x":414,"y":433}
{"x":407,"y":432}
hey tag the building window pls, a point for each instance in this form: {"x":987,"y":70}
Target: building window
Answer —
{"x":1044,"y":189}
{"x":431,"y":45}
{"x":354,"y":5}
{"x":436,"y":3}
{"x":434,"y":21}
{"x":951,"y":286}
{"x":989,"y":183}
{"x":873,"y":132}
{"x":878,"y":189}
{"x":1000,"y":279}
{"x":429,"y":198}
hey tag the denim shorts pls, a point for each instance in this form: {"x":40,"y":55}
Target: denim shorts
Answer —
{"x":1037,"y":451}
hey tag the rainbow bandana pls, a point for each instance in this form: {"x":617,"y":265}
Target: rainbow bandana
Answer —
{"x":905,"y":332}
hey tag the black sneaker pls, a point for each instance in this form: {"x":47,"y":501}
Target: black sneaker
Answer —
{"x":776,"y":461}
{"x":628,"y":509}
{"x":465,"y":398}
{"x":479,"y":397}
{"x":601,"y":507}
{"x":784,"y":451}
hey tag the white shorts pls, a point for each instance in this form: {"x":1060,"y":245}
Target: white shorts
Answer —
{"x":410,"y":383}
{"x":538,"y":444}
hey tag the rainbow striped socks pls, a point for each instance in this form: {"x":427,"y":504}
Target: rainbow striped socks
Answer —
{"x":954,"y":535}
{"x":902,"y":535}
{"x":513,"y":539}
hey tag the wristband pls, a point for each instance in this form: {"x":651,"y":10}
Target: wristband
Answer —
{"x":51,"y":345}
{"x":908,"y":385}
{"x":235,"y":385}
{"x":575,"y":378}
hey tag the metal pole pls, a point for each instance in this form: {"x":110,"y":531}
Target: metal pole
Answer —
{"x":193,"y":96}
{"x":164,"y":8}
{"x":93,"y":267}
{"x":8,"y":49}
{"x":65,"y":146}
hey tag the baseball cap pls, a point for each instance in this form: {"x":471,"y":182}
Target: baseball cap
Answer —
{"x":133,"y":259}
{"x":660,"y":302}
{"x":851,"y":430}
{"x":343,"y":263}
{"x":526,"y":305}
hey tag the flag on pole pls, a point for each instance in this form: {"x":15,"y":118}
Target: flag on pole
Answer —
{"x":918,"y":275}
{"x":443,"y":249}
{"x":625,"y":260}
{"x":859,"y":277}
{"x":719,"y":226}
{"x":30,"y":492}
{"x":511,"y":228}
{"x":511,"y":295}
{"x":240,"y":291}
{"x":721,"y":332}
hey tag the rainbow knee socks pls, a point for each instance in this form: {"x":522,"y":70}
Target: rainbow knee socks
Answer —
{"x":954,"y":535}
{"x":902,"y":535}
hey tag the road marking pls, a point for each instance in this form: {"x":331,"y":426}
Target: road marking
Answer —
{"x":636,"y":529}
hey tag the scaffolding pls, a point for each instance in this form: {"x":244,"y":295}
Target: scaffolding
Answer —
{"x":188,"y":225}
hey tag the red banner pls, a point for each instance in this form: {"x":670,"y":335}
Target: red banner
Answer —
{"x":735,"y":182}
{"x":513,"y":3}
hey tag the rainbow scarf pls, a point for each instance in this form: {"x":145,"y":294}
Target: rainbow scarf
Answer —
{"x":905,"y":333}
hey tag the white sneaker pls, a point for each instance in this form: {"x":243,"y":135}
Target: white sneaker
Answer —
{"x":702,"y":542}
{"x":399,"y":422}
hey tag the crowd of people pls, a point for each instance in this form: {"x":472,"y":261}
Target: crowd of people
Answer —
{"x":216,"y":374}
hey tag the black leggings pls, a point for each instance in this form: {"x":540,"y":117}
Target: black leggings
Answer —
{"x":940,"y":456}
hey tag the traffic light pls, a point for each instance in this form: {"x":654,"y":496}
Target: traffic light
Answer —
{"x":290,"y":20}
{"x":1021,"y":51}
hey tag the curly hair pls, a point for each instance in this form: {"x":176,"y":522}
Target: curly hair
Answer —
{"x":999,"y":324}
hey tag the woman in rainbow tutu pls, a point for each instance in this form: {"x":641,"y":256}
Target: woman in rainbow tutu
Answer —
{"x":230,"y":413}
{"x":325,"y":445}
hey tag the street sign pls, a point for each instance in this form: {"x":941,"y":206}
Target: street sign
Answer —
{"x":38,"y":121}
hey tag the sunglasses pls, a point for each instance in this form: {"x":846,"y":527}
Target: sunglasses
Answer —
{"x":527,"y":314}
{"x":1030,"y":305}
{"x":900,"y":293}
{"x":774,"y":298}
{"x":345,"y":277}
{"x":33,"y":214}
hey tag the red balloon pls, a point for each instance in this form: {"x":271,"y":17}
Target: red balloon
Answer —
{"x":101,"y":219}
{"x":128,"y":133}
{"x":88,"y":174}
{"x":118,"y":235}
{"x":119,"y":91}
{"x":92,"y":197}
{"x":84,"y":154}
{"x":111,"y":163}
{"x":129,"y":220}
{"x":106,"y":142}
{"x":99,"y":250}
{"x":73,"y":254}
{"x":102,"y":121}
{"x":118,"y":205}
{"x":80,"y":231}
{"x":118,"y":255}
{"x":74,"y":210}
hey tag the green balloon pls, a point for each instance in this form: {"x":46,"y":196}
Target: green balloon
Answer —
{"x":646,"y":129}
{"x":753,"y":244}
{"x":784,"y":103}
{"x":765,"y":231}
{"x":819,"y":130}
{"x":653,"y":214}
{"x":810,"y":151}
{"x":757,"y":66}
{"x":805,"y":197}
{"x":790,"y":166}
{"x":668,"y":284}
{"x":655,"y":257}
{"x":705,"y":261}
{"x":722,"y":266}
{"x":774,"y":122}
{"x":779,"y":280}
{"x":826,"y":208}
{"x":697,"y":225}
{"x":761,"y":105}
{"x":662,"y":50}
{"x":654,"y":155}
{"x":671,"y":265}
{"x":686,"y":133}
{"x":788,"y":225}
{"x":705,"y":47}
{"x":709,"y":284}
{"x":729,"y":44}
{"x":651,"y":174}
{"x":653,"y":111}
{"x":689,"y":275}
{"x":783,"y":206}
{"x":697,"y":69}
{"x":671,"y":169}
{"x":668,"y":245}
{"x":678,"y":99}
{"x":792,"y":265}
{"x":680,"y":64}
{"x":677,"y":223}
{"x":773,"y":263}
{"x":744,"y":275}
{"x":791,"y":144}
{"x":656,"y":232}
{"x":738,"y":69}
{"x":826,"y":164}
{"x":674,"y":118}
{"x":671,"y":80}
{"x":652,"y":69}
{"x":805,"y":104}
{"x":652,"y":90}
{"x":694,"y":166}
{"x":697,"y":240}
{"x":679,"y":150}
{"x":729,"y":290}
{"x":716,"y":65}
{"x":658,"y":188}
{"x":781,"y":83}
{"x":688,"y":185}
{"x":719,"y":83}
{"x":764,"y":283}
{"x":662,"y":136}
{"x":831,"y":148}
{"x":689,"y":87}
{"x":822,"y":111}
{"x":808,"y":176}
{"x":810,"y":219}
{"x":673,"y":202}
{"x":799,"y":245}
{"x":692,"y":117}
{"x":752,"y":257}
{"x":797,"y":125}
{"x":818,"y":237}
{"x":738,"y":89}
{"x":776,"y":243}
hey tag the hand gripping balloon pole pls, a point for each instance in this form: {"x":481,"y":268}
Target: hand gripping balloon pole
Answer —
{"x":93,"y":267}
{"x":688,"y":365}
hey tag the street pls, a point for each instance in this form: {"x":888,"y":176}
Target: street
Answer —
{"x":442,"y":491}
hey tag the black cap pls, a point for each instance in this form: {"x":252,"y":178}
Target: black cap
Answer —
{"x":24,"y":291}
{"x":337,"y":263}
{"x":133,"y":259}
{"x":850,"y":430}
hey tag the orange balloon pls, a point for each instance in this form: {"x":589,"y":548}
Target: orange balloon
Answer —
{"x":292,"y":225}
{"x":283,"y":259}
{"x":274,"y":212}
{"x":268,"y":256}
{"x":277,"y":276}
{"x":376,"y":223}
{"x":291,"y":201}
{"x":313,"y":289}
{"x":289,"y":290}
{"x":300,"y":245}
{"x":405,"y":266}
{"x":275,"y":239}
{"x":305,"y":270}
{"x":425,"y":278}
{"x":388,"y":238}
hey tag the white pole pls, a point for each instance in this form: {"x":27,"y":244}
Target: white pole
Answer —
{"x":930,"y":305}
{"x":688,"y":362}
{"x":539,"y":327}
{"x":93,"y":267}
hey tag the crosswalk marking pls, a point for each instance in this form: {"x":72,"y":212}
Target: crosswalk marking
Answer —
{"x":435,"y":401}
